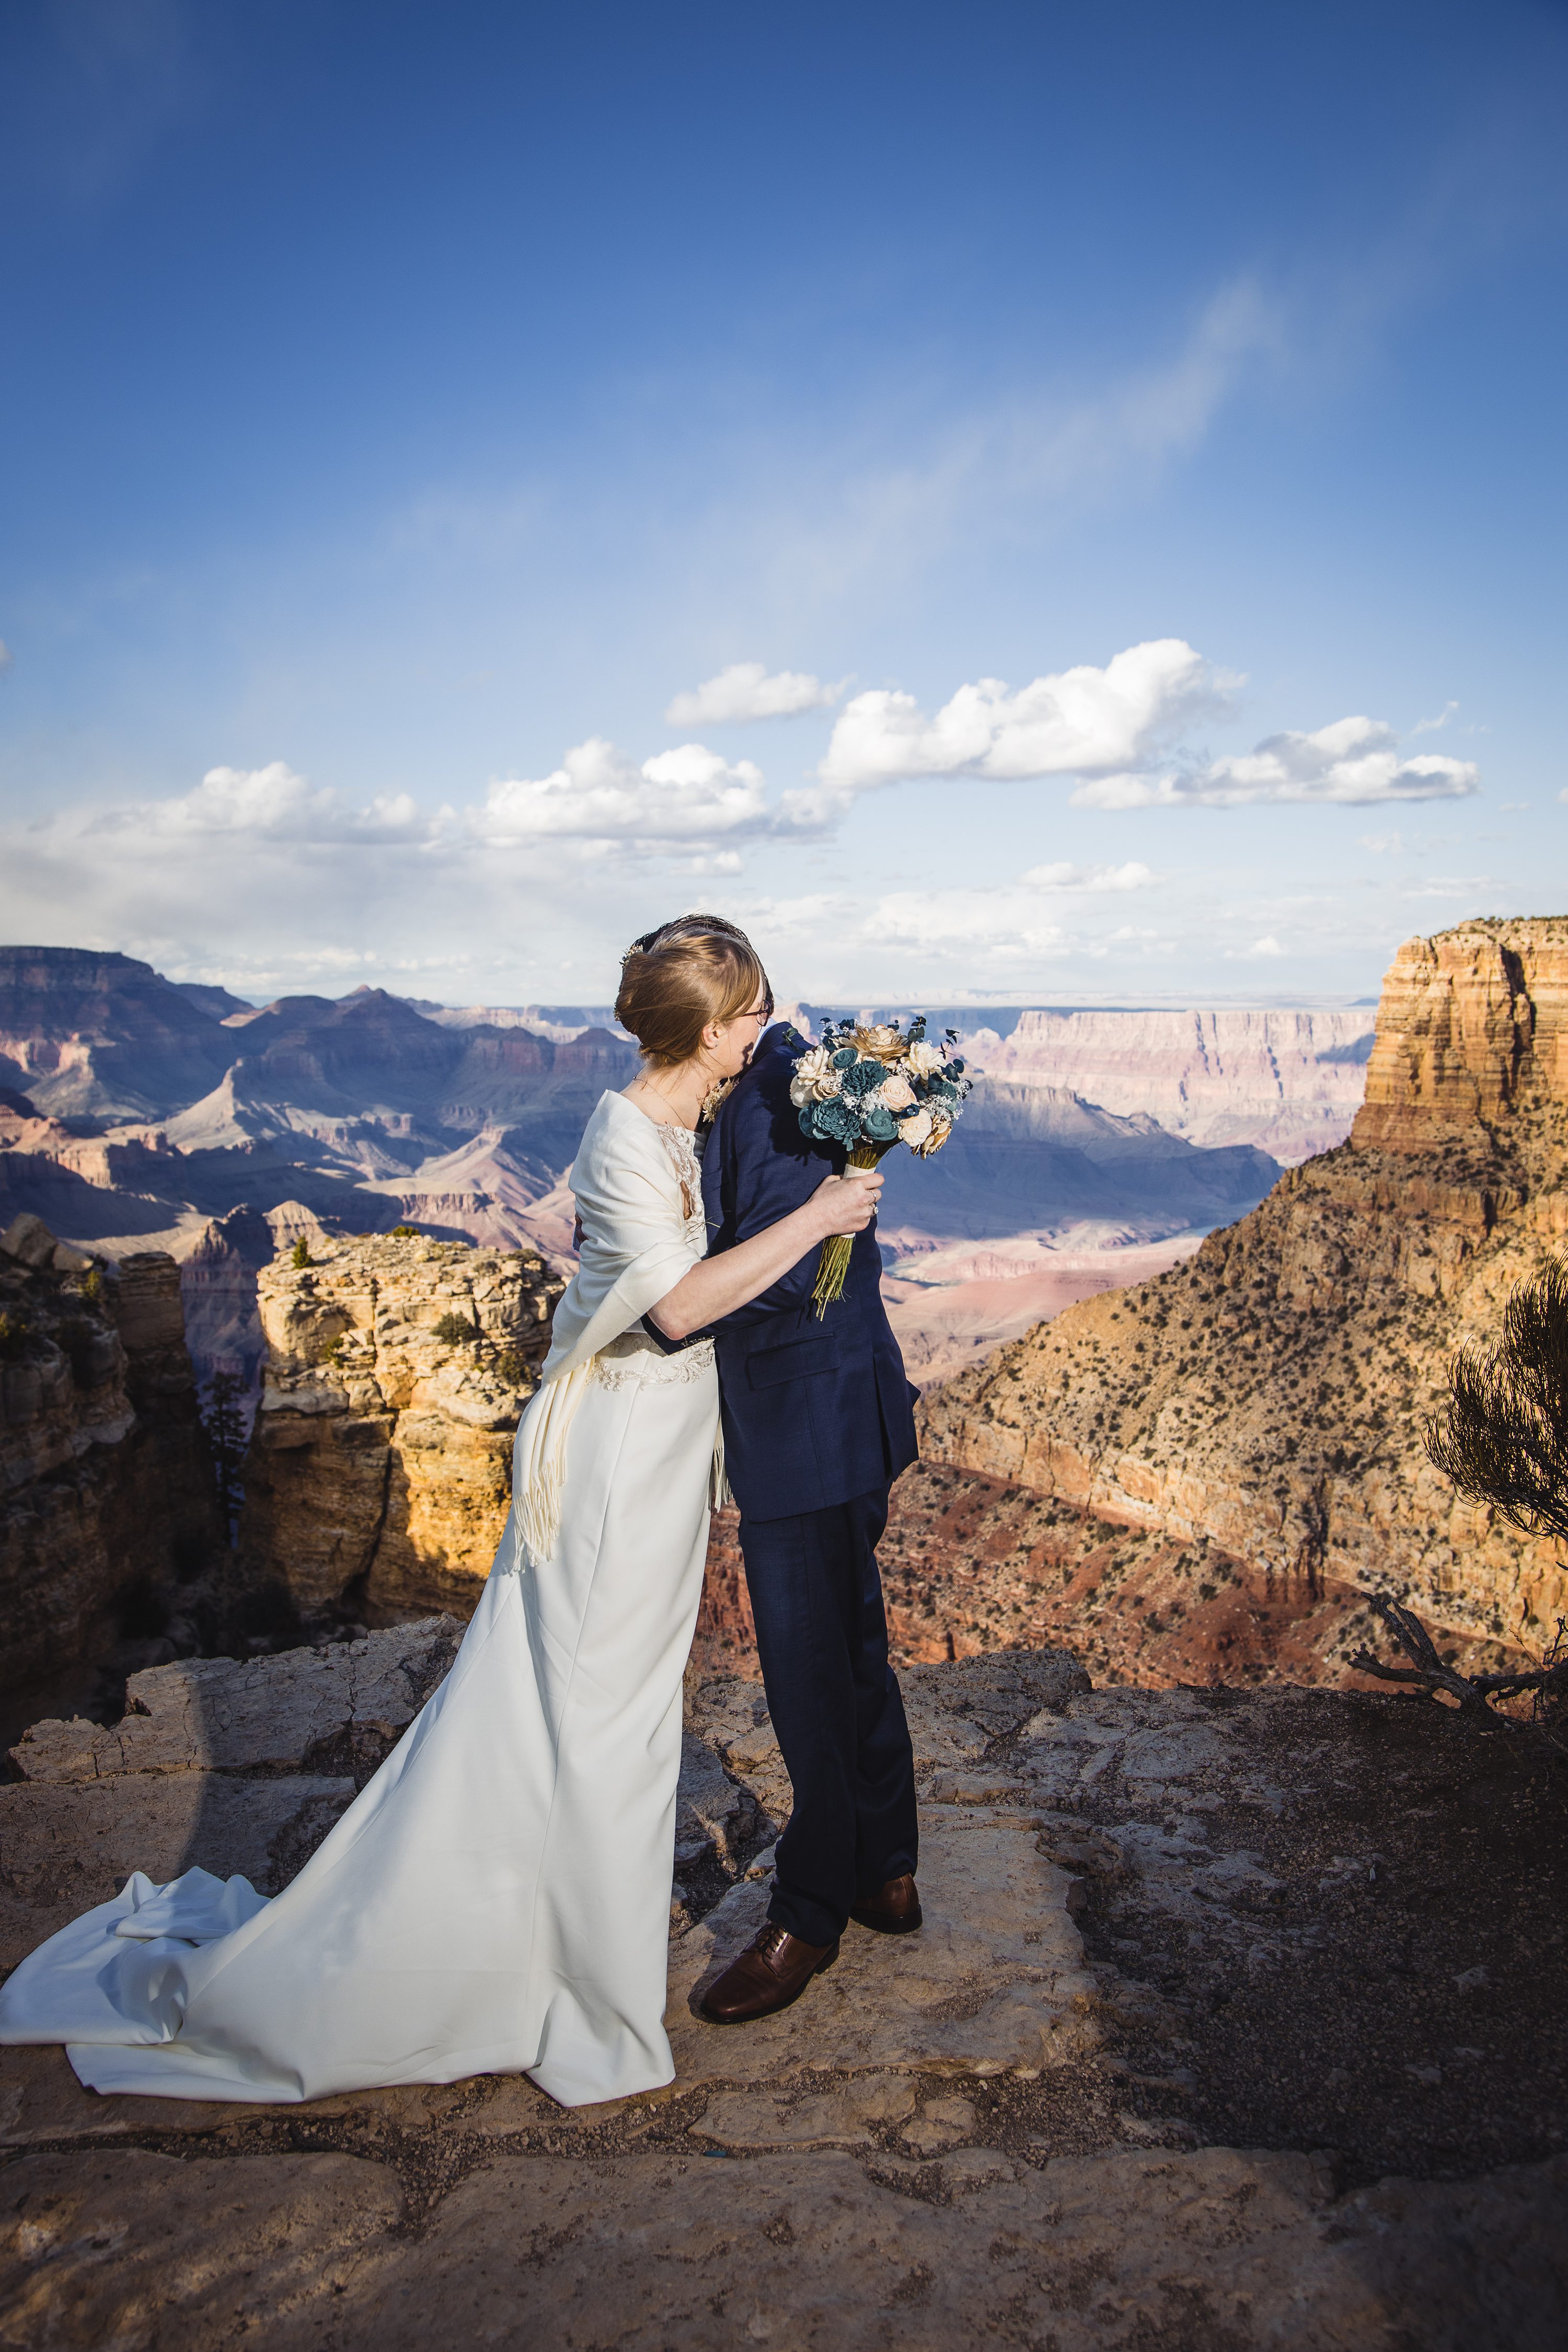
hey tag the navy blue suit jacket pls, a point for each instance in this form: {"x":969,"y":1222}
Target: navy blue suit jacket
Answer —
{"x":815,"y":1412}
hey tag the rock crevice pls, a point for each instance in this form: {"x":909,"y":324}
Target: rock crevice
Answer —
{"x":105,"y":1484}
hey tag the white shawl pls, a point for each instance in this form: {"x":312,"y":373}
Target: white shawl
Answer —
{"x":635,"y":1250}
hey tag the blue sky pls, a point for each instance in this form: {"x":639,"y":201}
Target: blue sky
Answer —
{"x":406,"y":407}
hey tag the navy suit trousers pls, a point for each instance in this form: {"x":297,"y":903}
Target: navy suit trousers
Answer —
{"x":822,"y":1636}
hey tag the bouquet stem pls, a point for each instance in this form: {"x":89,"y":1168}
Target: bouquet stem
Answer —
{"x":834,"y":1264}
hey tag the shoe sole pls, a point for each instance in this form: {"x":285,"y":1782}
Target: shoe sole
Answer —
{"x":882,"y":1926}
{"x":755,"y":2016}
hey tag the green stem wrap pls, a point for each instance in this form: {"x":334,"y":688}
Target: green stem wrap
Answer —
{"x":834,"y":1264}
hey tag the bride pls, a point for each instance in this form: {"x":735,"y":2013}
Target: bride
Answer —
{"x":497,"y":1898}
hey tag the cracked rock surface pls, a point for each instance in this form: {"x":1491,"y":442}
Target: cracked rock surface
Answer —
{"x":1088,"y":2106}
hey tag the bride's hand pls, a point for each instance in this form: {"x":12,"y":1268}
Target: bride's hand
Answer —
{"x":847,"y":1203}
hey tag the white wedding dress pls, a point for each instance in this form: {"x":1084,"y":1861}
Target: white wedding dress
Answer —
{"x":497,"y":1899}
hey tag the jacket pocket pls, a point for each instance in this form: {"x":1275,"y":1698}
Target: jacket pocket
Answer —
{"x":798,"y":1360}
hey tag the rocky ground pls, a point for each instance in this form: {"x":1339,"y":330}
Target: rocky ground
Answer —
{"x":1234,"y":2023}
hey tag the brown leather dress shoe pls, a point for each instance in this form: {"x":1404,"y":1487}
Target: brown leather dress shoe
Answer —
{"x":893,"y":1910}
{"x":775,"y":1969}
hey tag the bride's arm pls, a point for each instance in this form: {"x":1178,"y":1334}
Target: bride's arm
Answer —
{"x":840,"y":1204}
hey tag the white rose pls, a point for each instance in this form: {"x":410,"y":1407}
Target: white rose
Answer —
{"x":915,"y":1131}
{"x":924,"y":1059}
{"x":941,"y":1129}
{"x":815,"y":1079}
{"x":896,"y":1091}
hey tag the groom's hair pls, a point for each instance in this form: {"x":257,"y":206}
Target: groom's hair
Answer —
{"x":678,"y":977}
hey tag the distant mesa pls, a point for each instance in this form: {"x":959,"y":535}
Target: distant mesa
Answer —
{"x":218,"y":1004}
{"x":102,"y":1034}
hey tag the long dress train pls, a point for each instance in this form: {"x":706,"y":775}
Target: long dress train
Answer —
{"x":497,"y":1898}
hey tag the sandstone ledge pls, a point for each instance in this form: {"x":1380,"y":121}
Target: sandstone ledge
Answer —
{"x":397,"y":1369}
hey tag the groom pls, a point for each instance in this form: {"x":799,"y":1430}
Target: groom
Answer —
{"x":817,"y":1424}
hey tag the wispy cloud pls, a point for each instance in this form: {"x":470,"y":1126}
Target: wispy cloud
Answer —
{"x":852,"y":521}
{"x":1352,"y":764}
{"x":1260,"y":951}
{"x":993,"y":932}
{"x":748,"y":690}
{"x":1130,"y":876}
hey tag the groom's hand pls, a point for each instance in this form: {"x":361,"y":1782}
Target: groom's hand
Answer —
{"x":847,"y":1203}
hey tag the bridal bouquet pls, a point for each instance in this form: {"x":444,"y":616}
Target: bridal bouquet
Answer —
{"x":868,"y":1088}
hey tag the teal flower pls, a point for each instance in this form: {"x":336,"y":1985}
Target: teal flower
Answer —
{"x":836,"y":1121}
{"x":864,"y":1078}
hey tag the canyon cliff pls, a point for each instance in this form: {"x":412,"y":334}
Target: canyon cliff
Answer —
{"x":83,"y":1032}
{"x":1260,"y":1407}
{"x":1288,"y":1082}
{"x":139,"y":1114}
{"x":396,"y":1372}
{"x":106,"y":1485}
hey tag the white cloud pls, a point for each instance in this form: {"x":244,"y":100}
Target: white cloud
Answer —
{"x":1131,"y":876}
{"x":1477,"y":888}
{"x":1430,"y":726}
{"x":1267,"y":946}
{"x":984,"y":923}
{"x":688,"y":797}
{"x":1382,"y":845}
{"x":723,"y":861}
{"x":1352,"y":764}
{"x":270,"y":804}
{"x":746,"y":691}
{"x":1070,"y":722}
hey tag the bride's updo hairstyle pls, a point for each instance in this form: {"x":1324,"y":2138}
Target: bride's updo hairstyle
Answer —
{"x":678,"y":979}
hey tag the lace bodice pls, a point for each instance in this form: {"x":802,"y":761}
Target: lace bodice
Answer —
{"x":634,"y":1356}
{"x":680,"y":1146}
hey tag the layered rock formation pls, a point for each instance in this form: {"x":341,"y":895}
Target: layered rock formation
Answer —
{"x":1287,"y":1082}
{"x":380,"y":1459}
{"x":1268,"y":1397}
{"x":84,"y":1032}
{"x":135,"y":1114}
{"x":1070,"y":2112}
{"x":1030,"y":1158}
{"x":106,"y":1487}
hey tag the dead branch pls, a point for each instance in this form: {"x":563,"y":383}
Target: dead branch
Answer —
{"x":1474,"y":1694}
